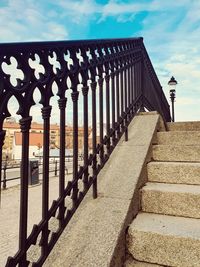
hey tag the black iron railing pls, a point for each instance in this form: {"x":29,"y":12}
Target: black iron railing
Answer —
{"x":119,"y":78}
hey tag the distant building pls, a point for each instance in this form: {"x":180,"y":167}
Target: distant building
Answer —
{"x":35,"y":144}
{"x":11,"y":127}
{"x":90,"y":138}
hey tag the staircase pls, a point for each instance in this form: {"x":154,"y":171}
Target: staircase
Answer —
{"x":167,"y":230}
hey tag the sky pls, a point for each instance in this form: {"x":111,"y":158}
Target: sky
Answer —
{"x":171,"y":32}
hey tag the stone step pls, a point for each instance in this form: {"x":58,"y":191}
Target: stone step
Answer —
{"x":176,"y":153}
{"x":179,"y":138}
{"x":165,"y":240}
{"x":171,"y":199}
{"x":134,"y":263}
{"x":174,"y":172}
{"x":184,"y":126}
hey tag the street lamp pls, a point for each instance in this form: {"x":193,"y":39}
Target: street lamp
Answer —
{"x":172,"y":92}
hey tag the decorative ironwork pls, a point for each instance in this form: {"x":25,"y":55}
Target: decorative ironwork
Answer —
{"x":119,"y":77}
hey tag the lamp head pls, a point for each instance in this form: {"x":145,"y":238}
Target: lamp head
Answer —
{"x":172,"y":82}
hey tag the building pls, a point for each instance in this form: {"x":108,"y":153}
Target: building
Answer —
{"x":35,"y":145}
{"x":12,"y":127}
{"x":69,"y":137}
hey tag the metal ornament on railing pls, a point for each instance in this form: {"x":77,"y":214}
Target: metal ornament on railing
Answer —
{"x":119,"y":78}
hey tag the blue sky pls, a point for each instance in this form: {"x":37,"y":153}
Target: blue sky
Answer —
{"x":171,"y":31}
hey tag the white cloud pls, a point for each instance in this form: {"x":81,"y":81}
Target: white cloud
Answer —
{"x":79,"y":11}
{"x":173,"y":44}
{"x":25,"y":20}
{"x":171,"y":33}
{"x":185,"y":101}
{"x":116,"y":8}
{"x":55,"y":32}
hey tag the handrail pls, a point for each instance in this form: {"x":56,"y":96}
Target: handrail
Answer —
{"x":116,"y":74}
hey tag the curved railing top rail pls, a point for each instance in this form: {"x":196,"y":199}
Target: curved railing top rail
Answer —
{"x":69,"y":43}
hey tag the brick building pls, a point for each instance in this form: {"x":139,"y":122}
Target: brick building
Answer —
{"x":12,"y":127}
{"x":35,"y":144}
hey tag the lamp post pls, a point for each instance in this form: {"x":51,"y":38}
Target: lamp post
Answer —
{"x":172,"y":92}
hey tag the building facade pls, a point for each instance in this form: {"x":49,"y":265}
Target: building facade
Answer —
{"x":13,"y":128}
{"x":35,"y":145}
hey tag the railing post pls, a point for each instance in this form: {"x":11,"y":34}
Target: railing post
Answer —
{"x":118,"y":101}
{"x":2,"y":137}
{"x":94,"y":133}
{"x":25,"y":127}
{"x":126,"y":102}
{"x":46,"y":113}
{"x":101,"y":104}
{"x":56,"y":168}
{"x":85,"y":119}
{"x":126,"y":133}
{"x":62,"y":106}
{"x":113,"y":105}
{"x":141,"y":84}
{"x":107,"y":79}
{"x":4,"y":174}
{"x":101,"y":132}
{"x":122,"y":94}
{"x":74,"y":96}
{"x":125,"y":90}
{"x":113,"y":95}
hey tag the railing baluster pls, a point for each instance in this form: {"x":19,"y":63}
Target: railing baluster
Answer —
{"x":100,"y":82}
{"x":125,"y":90}
{"x":125,"y":102}
{"x":129,"y":90}
{"x":62,"y":106}
{"x":113,"y":87}
{"x":101,"y":104}
{"x":4,"y":175}
{"x":142,"y":83}
{"x":94,"y":133}
{"x":132,"y":88}
{"x":46,"y":113}
{"x":74,"y":95}
{"x":129,"y":83}
{"x":113,"y":104}
{"x":85,"y":120}
{"x":122,"y":93}
{"x":2,"y":138}
{"x":107,"y":79}
{"x":118,"y":100}
{"x":136,"y":80}
{"x":138,"y":72}
{"x":85,"y":89}
{"x":25,"y":126}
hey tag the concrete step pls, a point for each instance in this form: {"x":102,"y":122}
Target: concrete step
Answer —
{"x":179,"y":138}
{"x":165,"y":240}
{"x":134,"y":263}
{"x":184,"y":126}
{"x":176,"y":153}
{"x":171,"y":199}
{"x":174,"y":172}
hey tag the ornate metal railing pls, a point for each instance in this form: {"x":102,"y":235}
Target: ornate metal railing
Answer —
{"x":119,"y":78}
